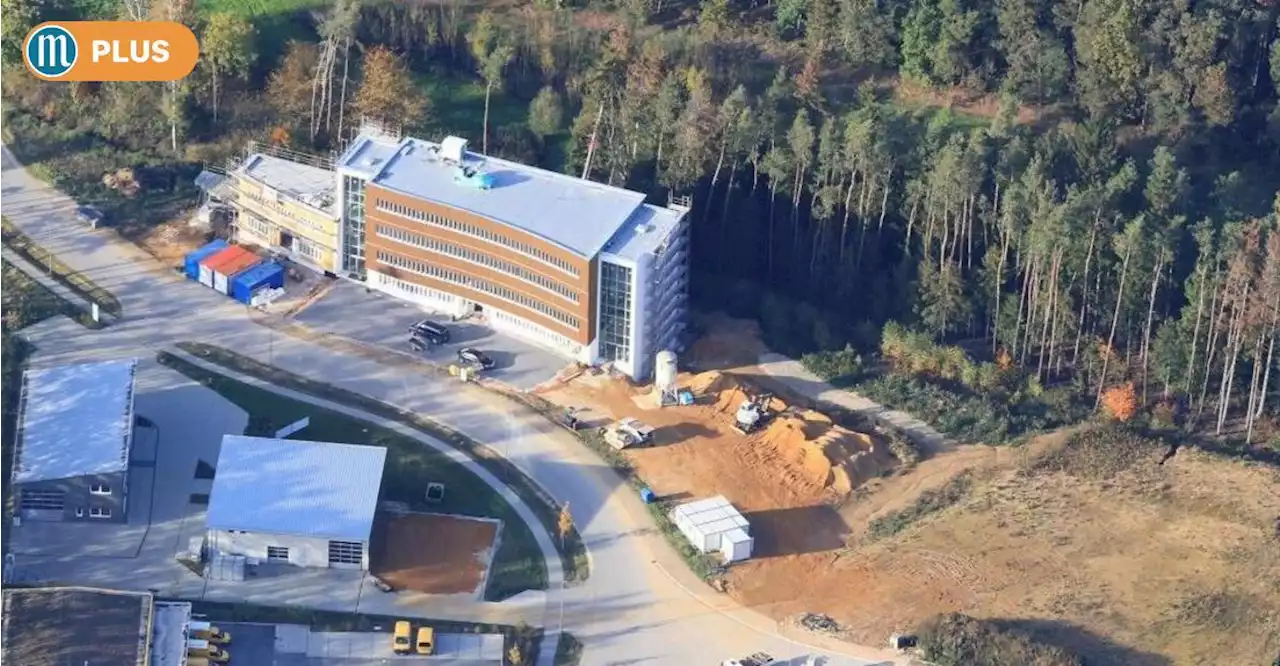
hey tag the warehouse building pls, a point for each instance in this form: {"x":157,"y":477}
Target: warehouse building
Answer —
{"x":71,"y":626}
{"x":309,"y":504}
{"x":583,"y":268}
{"x":284,"y":201}
{"x":73,"y":442}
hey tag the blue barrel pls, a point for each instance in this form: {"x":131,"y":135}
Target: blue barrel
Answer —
{"x":646,"y":496}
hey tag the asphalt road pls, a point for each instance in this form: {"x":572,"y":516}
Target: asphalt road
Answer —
{"x":640,"y":606}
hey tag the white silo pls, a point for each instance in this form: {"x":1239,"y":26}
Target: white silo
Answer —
{"x":664,"y":378}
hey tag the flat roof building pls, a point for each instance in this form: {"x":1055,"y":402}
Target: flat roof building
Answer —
{"x":587,"y":269}
{"x":73,"y":442}
{"x":295,"y":502}
{"x":62,"y":626}
{"x":285,"y":201}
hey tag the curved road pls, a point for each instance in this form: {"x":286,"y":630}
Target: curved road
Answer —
{"x":640,"y":606}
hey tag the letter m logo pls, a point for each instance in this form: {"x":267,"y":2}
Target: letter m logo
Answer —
{"x":50,"y":51}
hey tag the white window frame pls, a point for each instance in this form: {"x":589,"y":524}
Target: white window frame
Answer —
{"x":274,"y":552}
{"x":101,"y":512}
{"x":99,"y":489}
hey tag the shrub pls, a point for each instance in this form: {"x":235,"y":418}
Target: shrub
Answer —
{"x":832,"y":365}
{"x":1120,"y":402}
{"x":959,"y":640}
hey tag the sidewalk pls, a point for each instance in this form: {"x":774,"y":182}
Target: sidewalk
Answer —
{"x":792,"y":374}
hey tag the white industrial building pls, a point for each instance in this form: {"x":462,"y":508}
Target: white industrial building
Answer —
{"x":309,"y":504}
{"x":713,"y":525}
{"x":73,"y":442}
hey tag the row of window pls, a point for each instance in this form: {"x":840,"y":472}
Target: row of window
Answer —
{"x":477,"y":231}
{"x":414,"y":289}
{"x":540,"y":332}
{"x":94,"y":512}
{"x":476,"y":257}
{"x":277,"y":207}
{"x":259,"y":226}
{"x":479,"y":284}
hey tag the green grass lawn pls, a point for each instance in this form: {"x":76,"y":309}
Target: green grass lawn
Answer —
{"x":518,"y":564}
{"x":76,"y":282}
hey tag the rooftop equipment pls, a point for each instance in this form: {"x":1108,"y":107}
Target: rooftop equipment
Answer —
{"x":454,"y":149}
{"x":474,"y":177}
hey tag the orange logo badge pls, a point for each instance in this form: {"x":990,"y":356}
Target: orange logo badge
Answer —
{"x":111,"y":51}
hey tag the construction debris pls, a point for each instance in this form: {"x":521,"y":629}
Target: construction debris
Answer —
{"x":819,"y":623}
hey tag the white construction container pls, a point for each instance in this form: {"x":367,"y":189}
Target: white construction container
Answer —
{"x":713,"y":525}
{"x":736,"y":545}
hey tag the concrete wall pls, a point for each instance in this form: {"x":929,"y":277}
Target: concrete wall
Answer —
{"x":77,"y":496}
{"x":303,"y":551}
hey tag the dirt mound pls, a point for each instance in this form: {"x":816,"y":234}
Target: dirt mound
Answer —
{"x":828,"y":456}
{"x":832,"y":457}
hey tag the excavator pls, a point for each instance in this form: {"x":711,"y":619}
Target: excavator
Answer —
{"x":753,"y":413}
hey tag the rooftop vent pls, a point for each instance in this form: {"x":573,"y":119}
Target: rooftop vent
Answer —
{"x":644,"y":228}
{"x":454,"y":149}
{"x":473,"y":177}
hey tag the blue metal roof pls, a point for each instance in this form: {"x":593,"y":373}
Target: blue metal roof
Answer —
{"x":575,"y":214}
{"x":287,"y":486}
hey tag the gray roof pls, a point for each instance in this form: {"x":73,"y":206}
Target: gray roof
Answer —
{"x":287,"y":486}
{"x":311,"y":185}
{"x":648,"y":230}
{"x":575,"y":214}
{"x":61,"y":626}
{"x":77,"y":420}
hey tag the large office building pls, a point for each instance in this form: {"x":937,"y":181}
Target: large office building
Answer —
{"x":587,"y":269}
{"x":309,"y":504}
{"x":583,"y":268}
{"x":285,"y":202}
{"x":73,"y":442}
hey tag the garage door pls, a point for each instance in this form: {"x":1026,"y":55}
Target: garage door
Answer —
{"x":346,"y":554}
{"x":43,"y":500}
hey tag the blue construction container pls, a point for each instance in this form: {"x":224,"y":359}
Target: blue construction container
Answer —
{"x":266,"y":275}
{"x":191,"y":263}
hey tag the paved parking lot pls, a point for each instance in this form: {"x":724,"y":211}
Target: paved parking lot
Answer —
{"x":296,"y":645}
{"x":375,"y":318}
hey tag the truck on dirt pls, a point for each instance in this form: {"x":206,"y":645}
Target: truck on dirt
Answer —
{"x":752,"y":414}
{"x":627,"y":432}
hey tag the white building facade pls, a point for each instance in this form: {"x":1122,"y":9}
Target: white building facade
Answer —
{"x":307,"y":504}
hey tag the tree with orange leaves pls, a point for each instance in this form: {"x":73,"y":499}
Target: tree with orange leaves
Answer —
{"x":1120,"y":402}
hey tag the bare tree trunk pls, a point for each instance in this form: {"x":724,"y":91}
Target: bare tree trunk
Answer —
{"x":342,"y":98}
{"x":591,"y":144}
{"x":1211,"y":347}
{"x":1084,"y":293}
{"x":1195,"y":336}
{"x":995,"y":321}
{"x":844,"y":225}
{"x":1271,"y":348}
{"x":1229,"y":369}
{"x":1146,"y":331}
{"x":1250,"y":416}
{"x":484,"y":132}
{"x":1115,"y":319}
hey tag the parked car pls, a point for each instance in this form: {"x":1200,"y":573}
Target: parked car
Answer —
{"x":400,"y":640}
{"x":435,"y":333}
{"x":426,"y":640}
{"x":419,"y":343}
{"x":474,"y":358}
{"x":90,"y":215}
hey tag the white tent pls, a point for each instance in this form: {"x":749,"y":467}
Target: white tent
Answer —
{"x":714,"y":525}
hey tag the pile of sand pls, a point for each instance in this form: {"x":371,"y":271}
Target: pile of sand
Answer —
{"x":833,"y":457}
{"x":826,"y":455}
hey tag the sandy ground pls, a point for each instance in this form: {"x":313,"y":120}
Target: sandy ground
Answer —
{"x":434,"y":554}
{"x":171,"y":241}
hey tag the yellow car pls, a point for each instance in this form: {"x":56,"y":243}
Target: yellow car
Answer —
{"x":400,"y":641}
{"x":426,"y":640}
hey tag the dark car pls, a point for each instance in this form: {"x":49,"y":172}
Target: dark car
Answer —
{"x":433,"y":332}
{"x":474,"y":358}
{"x":90,"y":215}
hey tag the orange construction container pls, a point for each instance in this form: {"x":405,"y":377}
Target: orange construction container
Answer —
{"x":210,"y":262}
{"x":224,"y":270}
